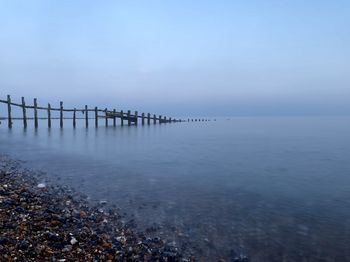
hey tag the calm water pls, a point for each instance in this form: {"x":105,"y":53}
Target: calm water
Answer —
{"x":277,"y":189}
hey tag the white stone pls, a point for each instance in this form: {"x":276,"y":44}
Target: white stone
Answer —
{"x":41,"y":185}
{"x":73,"y":241}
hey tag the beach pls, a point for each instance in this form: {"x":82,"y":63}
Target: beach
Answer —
{"x":43,"y":222}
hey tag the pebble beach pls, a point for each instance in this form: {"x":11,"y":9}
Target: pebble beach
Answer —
{"x":45,"y":222}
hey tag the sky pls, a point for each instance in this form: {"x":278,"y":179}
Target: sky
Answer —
{"x":179,"y":57}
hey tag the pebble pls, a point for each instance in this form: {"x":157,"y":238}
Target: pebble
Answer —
{"x":73,"y":241}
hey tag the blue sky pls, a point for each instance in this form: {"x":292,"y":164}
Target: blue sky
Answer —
{"x":180,"y":57}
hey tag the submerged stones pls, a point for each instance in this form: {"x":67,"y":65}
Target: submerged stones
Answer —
{"x":239,"y":256}
{"x":41,"y":222}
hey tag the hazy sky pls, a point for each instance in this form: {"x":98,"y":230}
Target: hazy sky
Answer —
{"x":172,"y":56}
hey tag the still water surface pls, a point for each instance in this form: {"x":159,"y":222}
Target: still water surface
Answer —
{"x":277,"y":189}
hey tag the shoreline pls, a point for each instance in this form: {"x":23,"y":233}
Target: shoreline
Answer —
{"x":51,"y":222}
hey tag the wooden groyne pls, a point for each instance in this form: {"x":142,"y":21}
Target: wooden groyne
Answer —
{"x":126,"y":117}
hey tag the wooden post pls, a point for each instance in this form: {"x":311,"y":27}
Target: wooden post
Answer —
{"x":114,"y":117}
{"x":154,"y":119}
{"x":9,"y":117}
{"x":143,"y":118}
{"x":96,"y":117}
{"x":160,"y":119}
{"x":74,"y":117}
{"x":24,"y":113}
{"x":49,"y":115}
{"x":122,"y":118}
{"x":35,"y":113}
{"x":165,"y":119}
{"x":148,"y":118}
{"x":61,"y":114}
{"x":86,"y":116}
{"x":129,"y":119}
{"x":106,"y":117}
{"x":169,"y":119}
{"x":136,"y":117}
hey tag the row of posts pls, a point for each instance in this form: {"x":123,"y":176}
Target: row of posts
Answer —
{"x":198,"y":119}
{"x":129,"y":118}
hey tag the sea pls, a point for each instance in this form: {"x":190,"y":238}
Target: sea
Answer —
{"x":258,"y":188}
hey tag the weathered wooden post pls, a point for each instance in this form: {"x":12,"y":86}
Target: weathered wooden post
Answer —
{"x":49,"y":115}
{"x":86,"y":116}
{"x":154,"y":119}
{"x":160,"y":119}
{"x":61,"y":114}
{"x":165,"y":119}
{"x":148,"y":118}
{"x":129,"y":119}
{"x":96,"y":116}
{"x":35,"y":113}
{"x":74,"y":117}
{"x":106,"y":117}
{"x":121,"y":118}
{"x":136,"y":117}
{"x":143,"y":118}
{"x":114,"y":117}
{"x":9,"y":117}
{"x":24,"y":113}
